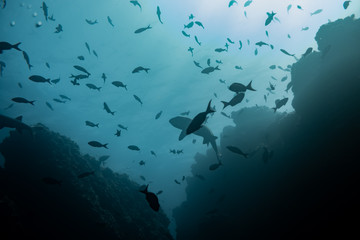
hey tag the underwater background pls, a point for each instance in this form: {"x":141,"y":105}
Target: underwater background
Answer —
{"x":291,"y":172}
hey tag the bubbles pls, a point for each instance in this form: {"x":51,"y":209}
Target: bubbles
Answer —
{"x":35,"y":14}
{"x":12,"y":23}
{"x":38,"y":24}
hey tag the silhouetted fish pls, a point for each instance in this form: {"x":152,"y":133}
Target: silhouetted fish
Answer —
{"x":82,"y":69}
{"x":49,"y":106}
{"x":119,"y":84}
{"x":136,"y":3}
{"x":45,"y":10}
{"x":237,"y":151}
{"x":91,"y":124}
{"x":140,"y":30}
{"x":279,"y":103}
{"x":138,"y":99}
{"x":92,"y":86}
{"x":91,"y":22}
{"x":238,"y":87}
{"x":8,"y":46}
{"x":269,"y":18}
{"x":22,"y":100}
{"x":151,"y":198}
{"x":27,"y":59}
{"x":140,"y":68}
{"x":158,"y":13}
{"x":13,"y":123}
{"x":107,"y":109}
{"x":235,"y":100}
{"x":110,"y":21}
{"x":97,"y":144}
{"x":198,"y":120}
{"x":134,"y":148}
{"x":158,"y":115}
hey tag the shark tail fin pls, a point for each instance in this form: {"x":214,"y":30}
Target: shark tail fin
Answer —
{"x":145,"y":190}
{"x":209,"y":109}
{"x":105,"y":145}
{"x":249,"y":87}
{"x":225,"y":104}
{"x":32,"y":102}
{"x":16,"y":46}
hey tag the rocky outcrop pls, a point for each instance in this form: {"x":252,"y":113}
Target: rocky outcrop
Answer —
{"x":300,"y":180}
{"x":105,"y":205}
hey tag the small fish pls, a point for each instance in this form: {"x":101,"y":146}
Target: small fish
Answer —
{"x":87,"y":47}
{"x":222,"y":81}
{"x":279,"y":103}
{"x":94,"y":52}
{"x":285,"y":52}
{"x":208,"y":62}
{"x":173,"y":151}
{"x":136,"y":3}
{"x":299,"y":7}
{"x":138,"y":69}
{"x":45,"y":10}
{"x":346,"y":4}
{"x":143,"y":178}
{"x":190,"y":49}
{"x":289,"y":86}
{"x":198,"y":120}
{"x":158,"y":13}
{"x":92,"y":86}
{"x":220,"y":50}
{"x":65,"y":97}
{"x":238,"y":67}
{"x":110,"y":21}
{"x":179,"y":151}
{"x":8,"y":46}
{"x":219,"y":61}
{"x":81,"y":69}
{"x":189,"y":25}
{"x":199,"y":24}
{"x":107,"y":109}
{"x":288,"y":36}
{"x":215,"y":166}
{"x":185,"y":113}
{"x":91,"y":22}
{"x":284,"y":78}
{"x":141,"y":163}
{"x":232,"y":2}
{"x":308,"y":51}
{"x":240,"y":45}
{"x":235,"y":100}
{"x":159,"y":192}
{"x":271,"y":46}
{"x":305,"y":29}
{"x":140,"y":30}
{"x":134,"y":148}
{"x":58,"y":29}
{"x":238,"y":87}
{"x":138,"y":99}
{"x":47,"y":65}
{"x":152,"y":199}
{"x":103,"y":76}
{"x":86,"y":174}
{"x":97,"y":144}
{"x":210,"y":69}
{"x":272,"y":67}
{"x":245,"y":14}
{"x":269,"y":18}
{"x":230,"y":41}
{"x":39,"y":79}
{"x":197,"y":41}
{"x":81,"y":58}
{"x":118,"y":133}
{"x":248,"y":41}
{"x":119,"y":84}
{"x":197,"y":64}
{"x":227,"y":46}
{"x":237,"y":151}
{"x":288,"y":8}
{"x":122,"y":127}
{"x":27,"y":59}
{"x":261,"y":43}
{"x":247,"y":3}
{"x":185,"y":34}
{"x":58,"y":100}
{"x":215,"y":95}
{"x":272,"y":87}
{"x":153,"y":153}
{"x":191,"y":16}
{"x":158,"y":115}
{"x":265,"y":97}
{"x":256,"y":52}
{"x":274,"y":78}
{"x":79,"y":76}
{"x":91,"y":124}
{"x":49,"y":106}
{"x":51,"y":181}
{"x":316,"y":12}
{"x":177,"y":182}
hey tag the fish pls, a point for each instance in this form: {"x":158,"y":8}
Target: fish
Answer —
{"x":272,"y":87}
{"x":27,"y":59}
{"x":173,"y":151}
{"x":92,"y":86}
{"x":308,"y":51}
{"x":2,"y":66}
{"x":277,"y":19}
{"x":232,"y":2}
{"x":265,"y":97}
{"x":198,"y":120}
{"x":49,"y":106}
{"x":215,"y":166}
{"x":215,"y":95}
{"x":267,"y":33}
{"x":134,"y":148}
{"x":190,"y":49}
{"x":185,"y":34}
{"x":237,"y":151}
{"x":199,"y":24}
{"x":208,"y":62}
{"x":86,"y":174}
{"x":94,"y":52}
{"x":65,"y":97}
{"x":47,"y":65}
{"x":272,"y":67}
{"x":107,"y":109}
{"x":80,"y":68}
{"x":136,"y":3}
{"x":191,"y":16}
{"x":220,"y":50}
{"x":58,"y":100}
{"x":7,"y":122}
{"x":138,"y":69}
{"x":179,"y":151}
{"x":271,"y":46}
{"x":119,"y":84}
{"x":256,"y":52}
{"x":158,"y":115}
{"x":20,"y":85}
{"x":8,"y":46}
{"x":284,"y":78}
{"x":185,"y":113}
{"x":87,"y":46}
{"x":230,"y":41}
{"x":219,"y":61}
{"x":238,"y":67}
{"x":245,"y":14}
{"x":79,"y":76}
{"x":38,"y":24}
{"x":51,"y":181}
{"x":138,"y":99}
{"x":122,"y":127}
{"x":225,"y":115}
{"x":227,"y":46}
{"x":158,"y":13}
{"x":248,"y":41}
{"x":288,"y":8}
{"x":102,"y":159}
{"x":118,"y":133}
{"x":110,"y":21}
{"x":97,"y":144}
{"x":159,"y":192}
{"x":235,"y":100}
{"x":346,"y":4}
{"x":247,"y":3}
{"x":274,"y":78}
{"x":143,"y":178}
{"x":91,"y":22}
{"x":152,"y":199}
{"x":22,"y":100}
{"x":285,"y":52}
{"x":197,"y":41}
{"x":316,"y":12}
{"x":153,"y":153}
{"x":103,"y":76}
{"x":81,"y":58}
{"x":91,"y":124}
{"x":305,"y":29}
{"x":58,"y":29}
{"x":269,"y":18}
{"x":279,"y":103}
{"x":45,"y":10}
{"x":189,"y":25}
{"x":238,"y":87}
{"x":177,"y":182}
{"x":222,"y":81}
{"x":142,"y":163}
{"x":261,"y":43}
{"x":210,"y":69}
{"x":140,"y":30}
{"x":289,"y":86}
{"x":299,"y":7}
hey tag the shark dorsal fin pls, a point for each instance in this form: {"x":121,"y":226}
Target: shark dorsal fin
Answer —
{"x":19,"y":118}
